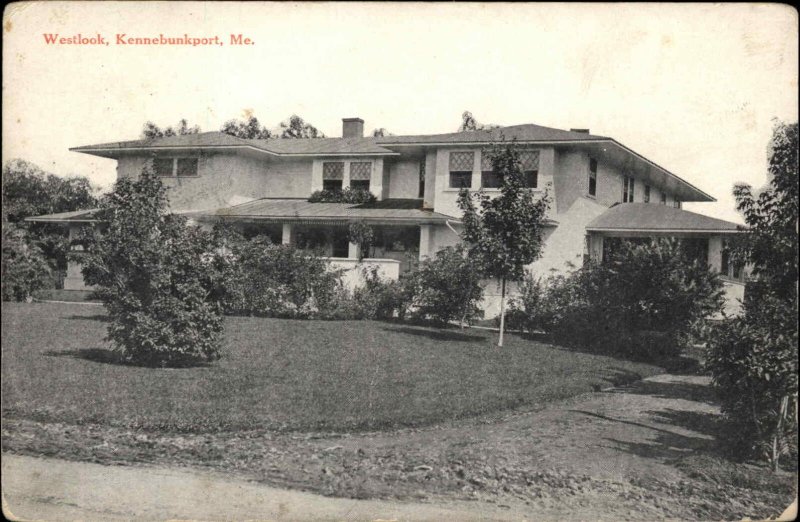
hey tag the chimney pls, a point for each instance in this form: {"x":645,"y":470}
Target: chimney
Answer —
{"x":352,"y":128}
{"x":584,"y":131}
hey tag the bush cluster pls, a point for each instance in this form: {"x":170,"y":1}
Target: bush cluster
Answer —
{"x":346,"y":195}
{"x":644,"y":301}
{"x":25,"y":269}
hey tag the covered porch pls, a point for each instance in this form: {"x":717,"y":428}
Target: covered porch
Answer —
{"x":703,"y":237}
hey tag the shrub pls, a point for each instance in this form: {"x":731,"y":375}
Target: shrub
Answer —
{"x":152,"y":271}
{"x":444,"y":288}
{"x":644,"y":301}
{"x":25,"y":269}
{"x":256,"y":277}
{"x":346,"y":195}
{"x":753,"y":362}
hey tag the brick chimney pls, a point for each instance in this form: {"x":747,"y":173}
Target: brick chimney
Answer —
{"x":584,"y":131}
{"x":352,"y":128}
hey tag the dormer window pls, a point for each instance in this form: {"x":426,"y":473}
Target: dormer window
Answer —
{"x":360,"y":174}
{"x":627,"y":189}
{"x":461,"y":169}
{"x":332,"y":175}
{"x":175,"y":167}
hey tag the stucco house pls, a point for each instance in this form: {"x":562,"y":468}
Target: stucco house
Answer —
{"x":600,"y":189}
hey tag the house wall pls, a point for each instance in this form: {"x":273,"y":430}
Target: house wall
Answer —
{"x":229,"y":179}
{"x":404,"y":178}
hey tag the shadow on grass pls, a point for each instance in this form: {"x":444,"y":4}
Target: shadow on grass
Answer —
{"x":674,"y":390}
{"x":438,"y":335}
{"x":104,"y":356}
{"x":96,"y":317}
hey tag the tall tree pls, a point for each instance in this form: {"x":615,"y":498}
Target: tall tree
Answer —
{"x":250,"y":129}
{"x":504,"y":233}
{"x":469,"y":123}
{"x":151,"y":130}
{"x":296,"y":127}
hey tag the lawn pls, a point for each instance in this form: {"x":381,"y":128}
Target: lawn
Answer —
{"x":286,"y":375}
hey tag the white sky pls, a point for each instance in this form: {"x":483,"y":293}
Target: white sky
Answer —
{"x":692,"y":87}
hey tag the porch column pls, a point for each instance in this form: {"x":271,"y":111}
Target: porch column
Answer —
{"x":715,"y":253}
{"x":286,"y":237}
{"x":353,"y":250}
{"x":425,"y":236}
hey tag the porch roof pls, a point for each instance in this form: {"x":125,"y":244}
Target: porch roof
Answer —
{"x":391,"y":211}
{"x":656,"y":218}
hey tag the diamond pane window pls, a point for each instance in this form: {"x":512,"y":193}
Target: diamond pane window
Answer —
{"x":486,"y":162}
{"x":333,"y":170}
{"x":529,"y":160}
{"x":361,"y":171}
{"x":461,"y":161}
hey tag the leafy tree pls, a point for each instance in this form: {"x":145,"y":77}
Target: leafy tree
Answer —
{"x":29,"y":191}
{"x":469,"y":123}
{"x":504,"y":233}
{"x":380,"y":133}
{"x":753,"y":358}
{"x":153,"y":271}
{"x":151,"y":130}
{"x":249,"y":130}
{"x":296,"y":127}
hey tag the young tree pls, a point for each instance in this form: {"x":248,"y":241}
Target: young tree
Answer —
{"x":153,"y":271}
{"x":296,"y":127}
{"x":504,"y":233}
{"x":251,"y":129}
{"x":361,"y":234}
{"x":151,"y":130}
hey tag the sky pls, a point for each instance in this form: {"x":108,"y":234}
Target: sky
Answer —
{"x":695,"y":88}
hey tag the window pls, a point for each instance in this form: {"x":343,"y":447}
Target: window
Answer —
{"x":627,"y":189}
{"x":592,"y":177}
{"x":332,"y":175}
{"x":488,"y":178}
{"x":677,"y":203}
{"x":421,"y":193}
{"x":461,"y":169}
{"x":647,"y":193}
{"x":360,"y":173}
{"x":171,"y":167}
{"x":529,"y":159}
{"x":663,"y":198}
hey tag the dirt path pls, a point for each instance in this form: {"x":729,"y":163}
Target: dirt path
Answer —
{"x":642,"y":452}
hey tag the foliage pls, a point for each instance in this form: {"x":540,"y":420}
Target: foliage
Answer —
{"x":152,"y":271}
{"x":151,"y":130}
{"x":381,"y":133}
{"x":29,"y":191}
{"x":753,"y":363}
{"x":346,"y":195}
{"x":361,"y":234}
{"x":753,"y":358}
{"x":469,"y":123}
{"x":504,"y":233}
{"x":446,"y":287}
{"x":644,"y":301}
{"x":25,"y":269}
{"x":296,"y":127}
{"x":256,"y":277}
{"x":378,"y":298}
{"x":249,"y":130}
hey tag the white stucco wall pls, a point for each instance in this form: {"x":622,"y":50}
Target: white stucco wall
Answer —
{"x":404,"y":178}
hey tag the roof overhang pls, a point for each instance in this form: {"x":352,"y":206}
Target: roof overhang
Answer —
{"x":116,"y":152}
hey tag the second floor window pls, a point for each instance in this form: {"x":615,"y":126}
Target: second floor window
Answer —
{"x":593,"y":177}
{"x":175,"y":167}
{"x":488,"y":178}
{"x":627,"y":189}
{"x":529,"y":159}
{"x":360,"y":173}
{"x":663,"y":198}
{"x":647,"y":193}
{"x":461,"y":169}
{"x":332,"y":175}
{"x":421,"y":193}
{"x":677,"y":203}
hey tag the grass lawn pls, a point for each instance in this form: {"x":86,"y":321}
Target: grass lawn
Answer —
{"x":74,"y":296}
{"x":281,"y":374}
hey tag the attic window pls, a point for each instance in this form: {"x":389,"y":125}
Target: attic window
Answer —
{"x":461,"y":169}
{"x":332,"y":175}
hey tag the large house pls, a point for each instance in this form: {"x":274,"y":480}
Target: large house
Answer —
{"x":600,"y":189}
